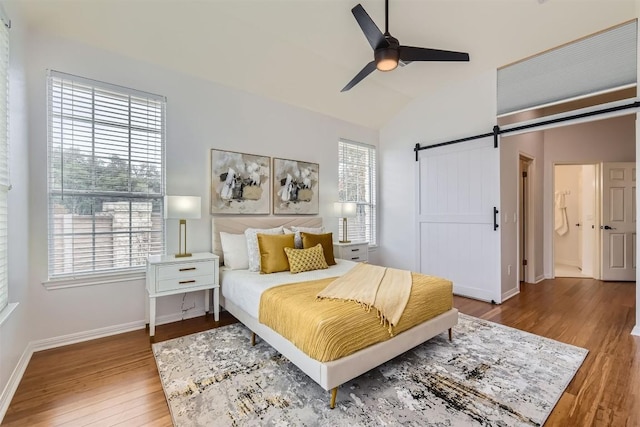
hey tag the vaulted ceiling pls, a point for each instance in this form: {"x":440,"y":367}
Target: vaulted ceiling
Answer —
{"x":303,"y":52}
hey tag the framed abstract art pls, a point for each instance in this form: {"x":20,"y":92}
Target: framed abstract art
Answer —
{"x":295,"y":187}
{"x":240,"y":183}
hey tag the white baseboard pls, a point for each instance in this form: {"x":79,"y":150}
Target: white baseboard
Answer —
{"x":475,"y":293}
{"x":49,"y":343}
{"x":14,"y":380}
{"x":636,"y":330}
{"x":569,"y":262}
{"x":510,"y":294}
{"x":62,"y":340}
{"x":540,"y":278}
{"x":93,"y":334}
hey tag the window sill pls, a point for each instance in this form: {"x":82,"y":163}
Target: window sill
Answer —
{"x":94,"y":279}
{"x":6,"y":312}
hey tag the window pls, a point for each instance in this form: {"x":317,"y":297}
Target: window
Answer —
{"x":106,"y":176}
{"x":357,"y":183}
{"x":4,"y":160}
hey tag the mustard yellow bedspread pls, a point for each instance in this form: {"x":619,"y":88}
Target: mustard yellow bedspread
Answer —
{"x":327,"y":330}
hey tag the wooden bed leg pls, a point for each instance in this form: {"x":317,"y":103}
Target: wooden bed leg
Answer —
{"x":253,"y":339}
{"x":450,"y":334}
{"x":334,"y":393}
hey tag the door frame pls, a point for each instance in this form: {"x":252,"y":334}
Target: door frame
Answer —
{"x":528,"y":222}
{"x":598,"y":209}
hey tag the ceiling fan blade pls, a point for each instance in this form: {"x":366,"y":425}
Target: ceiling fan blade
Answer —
{"x":368,"y":69}
{"x":369,"y":28}
{"x":410,"y":53}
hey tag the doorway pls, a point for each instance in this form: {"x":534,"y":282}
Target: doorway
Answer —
{"x":575,"y":208}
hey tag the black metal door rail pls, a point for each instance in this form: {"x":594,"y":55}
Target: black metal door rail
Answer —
{"x":497,"y":131}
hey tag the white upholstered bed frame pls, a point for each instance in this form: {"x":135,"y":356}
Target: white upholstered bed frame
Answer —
{"x":329,"y":375}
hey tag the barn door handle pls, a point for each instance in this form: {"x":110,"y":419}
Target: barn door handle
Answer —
{"x":495,"y":218}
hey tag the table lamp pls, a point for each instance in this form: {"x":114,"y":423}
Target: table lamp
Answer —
{"x":182,"y":208}
{"x":344,"y":210}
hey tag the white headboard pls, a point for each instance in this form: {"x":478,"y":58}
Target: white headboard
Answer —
{"x":237,"y":225}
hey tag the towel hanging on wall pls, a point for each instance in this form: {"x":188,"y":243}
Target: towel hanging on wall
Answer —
{"x":561,"y":223}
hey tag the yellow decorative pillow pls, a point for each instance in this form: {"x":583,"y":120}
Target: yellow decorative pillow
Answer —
{"x":272,"y":256}
{"x":306,"y":259}
{"x":309,"y":240}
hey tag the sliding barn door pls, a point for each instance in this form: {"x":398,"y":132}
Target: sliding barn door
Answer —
{"x":458,"y":189}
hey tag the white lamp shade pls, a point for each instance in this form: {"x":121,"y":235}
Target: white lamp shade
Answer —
{"x":344,"y":209}
{"x":182,"y":207}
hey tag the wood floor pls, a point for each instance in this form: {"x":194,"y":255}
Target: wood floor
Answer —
{"x":113,"y":381}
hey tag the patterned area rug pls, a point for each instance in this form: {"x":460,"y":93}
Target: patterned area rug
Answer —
{"x":488,"y":375}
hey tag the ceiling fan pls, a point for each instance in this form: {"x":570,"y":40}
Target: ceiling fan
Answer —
{"x":388,"y":52}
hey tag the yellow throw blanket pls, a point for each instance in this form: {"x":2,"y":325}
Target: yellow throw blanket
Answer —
{"x":330,"y":329}
{"x":385,"y":289}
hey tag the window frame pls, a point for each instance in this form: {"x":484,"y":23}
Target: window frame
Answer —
{"x":370,"y":231}
{"x":100,"y":92}
{"x":6,"y":308}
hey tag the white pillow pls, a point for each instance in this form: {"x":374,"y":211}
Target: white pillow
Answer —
{"x":298,"y":239}
{"x":252,"y":244}
{"x":234,"y":251}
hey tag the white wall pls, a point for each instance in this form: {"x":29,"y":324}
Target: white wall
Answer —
{"x":462,"y":110}
{"x":636,"y":329}
{"x":15,"y":332}
{"x":511,"y":147}
{"x":200,"y":116}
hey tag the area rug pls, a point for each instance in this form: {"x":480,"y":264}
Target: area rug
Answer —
{"x":488,"y":375}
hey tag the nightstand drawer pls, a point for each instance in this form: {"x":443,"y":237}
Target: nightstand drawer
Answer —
{"x":184,"y":282}
{"x":186,"y":270}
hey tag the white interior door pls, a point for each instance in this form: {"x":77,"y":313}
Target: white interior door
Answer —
{"x":458,"y":189}
{"x":618,"y":227}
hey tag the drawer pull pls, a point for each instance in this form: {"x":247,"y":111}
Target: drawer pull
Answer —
{"x":355,"y":250}
{"x":355,"y":258}
{"x":187,"y":269}
{"x":184,"y":282}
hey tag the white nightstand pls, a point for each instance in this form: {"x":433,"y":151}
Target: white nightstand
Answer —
{"x":168,"y":275}
{"x":353,"y":251}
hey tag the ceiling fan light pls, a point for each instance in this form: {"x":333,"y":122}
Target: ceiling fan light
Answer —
{"x":386,"y":65}
{"x":386,"y":59}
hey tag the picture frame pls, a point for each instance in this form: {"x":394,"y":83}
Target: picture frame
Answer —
{"x":295,"y":187}
{"x":240,"y":183}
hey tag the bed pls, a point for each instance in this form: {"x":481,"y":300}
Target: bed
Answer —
{"x":243,"y":303}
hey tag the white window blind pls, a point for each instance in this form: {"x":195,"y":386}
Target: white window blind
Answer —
{"x":357,"y":183}
{"x":5,"y":184}
{"x":602,"y":62}
{"x":106,"y":176}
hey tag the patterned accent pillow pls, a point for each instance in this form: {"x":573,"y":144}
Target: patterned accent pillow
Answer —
{"x":306,"y":259}
{"x":252,"y":244}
